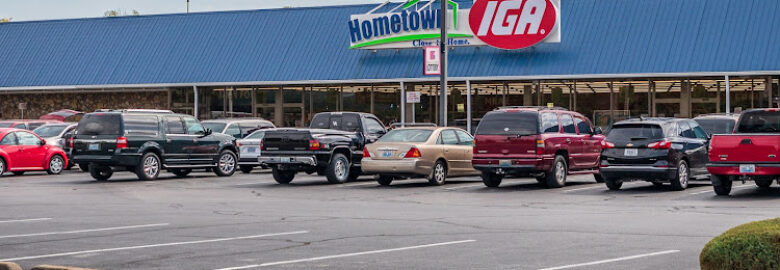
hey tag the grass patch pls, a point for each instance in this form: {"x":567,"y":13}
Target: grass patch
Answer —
{"x":755,"y":245}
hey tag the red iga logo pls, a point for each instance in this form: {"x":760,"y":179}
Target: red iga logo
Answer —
{"x":512,"y":24}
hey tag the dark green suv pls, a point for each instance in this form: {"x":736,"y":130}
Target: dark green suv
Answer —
{"x":146,"y":143}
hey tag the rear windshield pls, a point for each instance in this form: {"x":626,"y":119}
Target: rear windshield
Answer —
{"x":344,"y":122}
{"x":509,"y":123}
{"x":407,"y":135}
{"x":635,"y":132}
{"x":214,"y":126}
{"x":100,"y":124}
{"x":49,"y":130}
{"x":256,"y":135}
{"x":717,"y":126}
{"x":759,"y":122}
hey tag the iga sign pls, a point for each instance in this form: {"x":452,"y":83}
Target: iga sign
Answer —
{"x":432,"y":64}
{"x":505,"y":24}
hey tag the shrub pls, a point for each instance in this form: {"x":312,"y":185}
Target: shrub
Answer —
{"x":755,"y":245}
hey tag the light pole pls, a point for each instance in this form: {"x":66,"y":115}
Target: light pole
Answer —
{"x":443,"y":64}
{"x":188,"y":6}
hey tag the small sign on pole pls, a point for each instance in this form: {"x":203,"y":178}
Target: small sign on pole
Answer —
{"x":432,"y":57}
{"x":413,"y":97}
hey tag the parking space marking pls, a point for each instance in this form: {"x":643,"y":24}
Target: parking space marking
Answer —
{"x":85,"y":231}
{"x":613,"y":260}
{"x":346,"y":255}
{"x":713,"y":191}
{"x":25,"y":220}
{"x":149,"y":246}
{"x":585,"y":188}
{"x":466,"y":186}
{"x":361,"y":184}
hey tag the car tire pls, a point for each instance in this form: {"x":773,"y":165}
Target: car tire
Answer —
{"x":338,"y":169}
{"x":149,"y":168}
{"x":181,"y":172}
{"x":84,"y":167}
{"x":384,"y":180}
{"x":282,"y":177}
{"x":56,"y":165}
{"x":246,"y":168}
{"x":556,"y":178}
{"x":226,"y":164}
{"x":721,"y":184}
{"x":491,"y":179}
{"x":18,"y":173}
{"x":680,"y":180}
{"x":763,"y":183}
{"x":613,"y":183}
{"x":438,"y":174}
{"x":599,"y":178}
{"x":100,"y":173}
{"x":3,"y":167}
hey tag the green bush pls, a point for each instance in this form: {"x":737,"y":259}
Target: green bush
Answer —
{"x":755,"y":245}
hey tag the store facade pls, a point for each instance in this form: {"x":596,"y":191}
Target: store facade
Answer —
{"x":612,"y":60}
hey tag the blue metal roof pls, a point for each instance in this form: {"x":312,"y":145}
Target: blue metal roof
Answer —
{"x":303,"y":44}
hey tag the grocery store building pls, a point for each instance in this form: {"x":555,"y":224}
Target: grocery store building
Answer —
{"x":615,"y":58}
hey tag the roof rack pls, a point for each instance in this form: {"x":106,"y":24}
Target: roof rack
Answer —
{"x":540,"y":108}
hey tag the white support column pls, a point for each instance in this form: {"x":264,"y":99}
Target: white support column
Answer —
{"x":468,"y":106}
{"x":403,"y":105}
{"x":195,"y":105}
{"x":728,"y":94}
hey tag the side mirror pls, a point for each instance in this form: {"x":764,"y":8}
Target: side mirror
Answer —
{"x":598,"y":131}
{"x":207,"y":132}
{"x":43,"y":142}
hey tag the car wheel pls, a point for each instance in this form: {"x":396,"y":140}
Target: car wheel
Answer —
{"x":181,"y":172}
{"x":282,"y":177}
{"x":613,"y":183}
{"x":56,"y":164}
{"x":149,"y":168}
{"x":18,"y":173}
{"x":680,"y":181}
{"x":438,"y":174}
{"x":557,"y":177}
{"x":2,"y":167}
{"x":246,"y":168}
{"x":84,"y":167}
{"x":491,"y":179}
{"x":384,"y":180}
{"x":763,"y":183}
{"x":721,"y":184}
{"x":226,"y":165}
{"x":338,"y":169}
{"x":100,"y":173}
{"x":599,"y":178}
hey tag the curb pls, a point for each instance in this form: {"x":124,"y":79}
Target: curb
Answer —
{"x":9,"y":266}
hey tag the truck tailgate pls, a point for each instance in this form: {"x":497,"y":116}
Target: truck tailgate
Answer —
{"x":286,"y":140}
{"x":744,"y":148}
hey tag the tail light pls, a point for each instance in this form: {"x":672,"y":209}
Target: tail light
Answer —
{"x":539,"y":147}
{"x":70,"y":142}
{"x":474,"y":146}
{"x":121,"y":143}
{"x":261,"y":145}
{"x":314,"y":145}
{"x":607,"y":145}
{"x":660,"y":145}
{"x":238,"y":144}
{"x":413,"y":153}
{"x":366,"y":154}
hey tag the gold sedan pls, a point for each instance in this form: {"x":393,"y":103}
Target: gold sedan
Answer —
{"x":431,"y":152}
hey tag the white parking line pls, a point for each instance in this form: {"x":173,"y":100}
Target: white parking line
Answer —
{"x":374,"y":183}
{"x":466,"y":186}
{"x":585,"y":188}
{"x":346,"y":255}
{"x":712,"y":191}
{"x":84,"y":231}
{"x":24,"y":220}
{"x":613,"y":260}
{"x":149,"y":246}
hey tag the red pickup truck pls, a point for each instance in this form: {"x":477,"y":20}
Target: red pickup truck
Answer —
{"x":750,"y":153}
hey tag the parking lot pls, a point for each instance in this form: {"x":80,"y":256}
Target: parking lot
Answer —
{"x":248,"y":221}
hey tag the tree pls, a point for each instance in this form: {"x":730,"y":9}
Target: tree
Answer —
{"x":120,"y":13}
{"x":5,"y":20}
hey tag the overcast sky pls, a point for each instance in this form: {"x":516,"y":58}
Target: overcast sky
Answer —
{"x":28,"y":10}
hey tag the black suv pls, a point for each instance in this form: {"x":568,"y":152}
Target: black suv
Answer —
{"x":657,"y":150}
{"x":146,"y":143}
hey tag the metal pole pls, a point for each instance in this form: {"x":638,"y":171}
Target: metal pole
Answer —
{"x":188,"y":6}
{"x":443,"y":64}
{"x":195,"y":109}
{"x":403,"y":105}
{"x":468,"y":106}
{"x":728,"y":95}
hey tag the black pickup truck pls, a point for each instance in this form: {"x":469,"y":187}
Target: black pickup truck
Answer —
{"x":332,"y":146}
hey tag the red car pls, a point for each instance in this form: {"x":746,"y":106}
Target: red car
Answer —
{"x":25,"y":124}
{"x":22,"y":151}
{"x":751,"y":152}
{"x":547,"y":143}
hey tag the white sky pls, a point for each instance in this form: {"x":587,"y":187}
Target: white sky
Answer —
{"x":28,"y":10}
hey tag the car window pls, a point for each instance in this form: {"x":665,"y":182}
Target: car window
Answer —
{"x":583,"y":126}
{"x":759,"y":122}
{"x":465,"y":138}
{"x":568,"y":124}
{"x":193,"y":126}
{"x":174,"y":125}
{"x":100,"y":124}
{"x":49,"y":130}
{"x":22,"y":126}
{"x":321,"y":121}
{"x":373,"y":126}
{"x":350,"y":122}
{"x":256,"y":135}
{"x":449,"y":137}
{"x":214,"y":126}
{"x":698,"y":131}
{"x":407,"y":135}
{"x":717,"y":126}
{"x":686,"y":131}
{"x":6,"y":125}
{"x":635,"y":133}
{"x":25,"y":138}
{"x":233,"y":130}
{"x":9,"y":139}
{"x":141,"y":125}
{"x":550,"y":123}
{"x":509,"y":123}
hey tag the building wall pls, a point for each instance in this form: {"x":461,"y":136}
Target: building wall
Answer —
{"x":40,"y":104}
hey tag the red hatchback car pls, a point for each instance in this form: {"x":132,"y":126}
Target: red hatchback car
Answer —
{"x":547,"y":143}
{"x":22,"y":151}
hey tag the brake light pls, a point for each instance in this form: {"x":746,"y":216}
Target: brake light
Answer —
{"x":413,"y":153}
{"x":261,"y":145}
{"x":314,"y":145}
{"x":660,"y":145}
{"x":70,"y":142}
{"x":366,"y":154}
{"x":607,"y":145}
{"x":539,"y":147}
{"x":121,"y":143}
{"x":238,"y":144}
{"x":474,"y":146}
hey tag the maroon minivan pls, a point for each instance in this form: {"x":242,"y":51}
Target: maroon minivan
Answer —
{"x":547,"y":143}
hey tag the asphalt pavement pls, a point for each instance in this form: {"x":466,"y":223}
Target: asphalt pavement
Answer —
{"x":249,"y":222}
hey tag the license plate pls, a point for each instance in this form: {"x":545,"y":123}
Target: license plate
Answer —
{"x":288,"y":159}
{"x":631,"y":152}
{"x":747,"y":168}
{"x":387,"y":154}
{"x":94,"y":146}
{"x":250,"y":150}
{"x":504,"y":163}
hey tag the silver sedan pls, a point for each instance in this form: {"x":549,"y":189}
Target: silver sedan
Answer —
{"x":249,"y":148}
